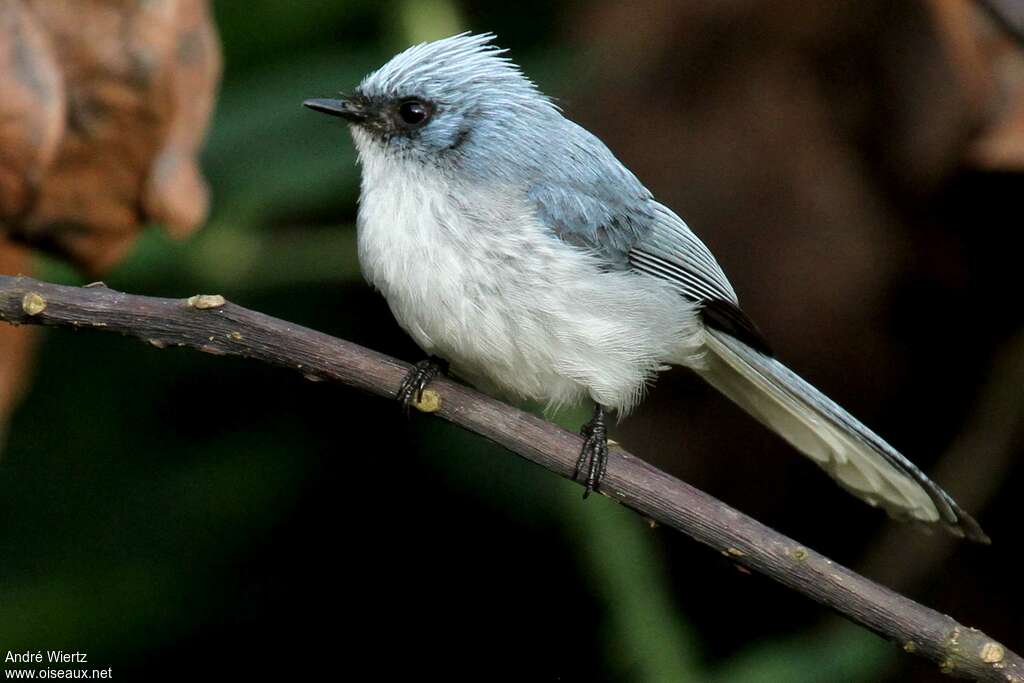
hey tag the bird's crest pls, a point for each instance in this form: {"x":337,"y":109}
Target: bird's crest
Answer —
{"x":453,"y":68}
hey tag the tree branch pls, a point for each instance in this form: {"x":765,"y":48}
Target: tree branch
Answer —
{"x":211,"y":325}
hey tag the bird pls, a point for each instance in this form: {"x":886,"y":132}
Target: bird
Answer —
{"x":521,"y":255}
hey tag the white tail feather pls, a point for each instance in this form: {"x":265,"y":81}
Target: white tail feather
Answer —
{"x":857,"y":458}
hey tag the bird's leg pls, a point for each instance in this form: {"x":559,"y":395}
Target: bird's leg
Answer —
{"x":410,"y":391}
{"x":594,"y":454}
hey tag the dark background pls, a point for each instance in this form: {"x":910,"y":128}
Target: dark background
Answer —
{"x":177,"y":515}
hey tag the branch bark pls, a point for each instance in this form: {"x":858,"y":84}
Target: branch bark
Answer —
{"x":212,"y":325}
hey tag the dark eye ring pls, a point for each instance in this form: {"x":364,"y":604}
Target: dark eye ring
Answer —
{"x":414,"y":112}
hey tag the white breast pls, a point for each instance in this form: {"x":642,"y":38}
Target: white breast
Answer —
{"x":475,"y":279}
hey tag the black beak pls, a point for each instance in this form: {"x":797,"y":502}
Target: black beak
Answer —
{"x":346,"y":109}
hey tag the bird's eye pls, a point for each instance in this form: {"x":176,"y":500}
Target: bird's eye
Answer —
{"x":414,"y":112}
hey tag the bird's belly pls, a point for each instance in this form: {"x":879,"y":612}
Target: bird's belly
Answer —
{"x":516,"y":310}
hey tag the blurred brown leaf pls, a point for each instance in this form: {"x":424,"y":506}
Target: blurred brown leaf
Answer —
{"x":32,"y":108}
{"x":103,"y":104}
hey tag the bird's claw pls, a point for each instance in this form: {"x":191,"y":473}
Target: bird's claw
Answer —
{"x":410,"y":391}
{"x":594,"y":454}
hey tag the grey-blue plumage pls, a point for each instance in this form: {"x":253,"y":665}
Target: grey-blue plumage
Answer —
{"x":511,"y":242}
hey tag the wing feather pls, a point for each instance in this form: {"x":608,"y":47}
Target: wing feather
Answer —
{"x":593,"y":201}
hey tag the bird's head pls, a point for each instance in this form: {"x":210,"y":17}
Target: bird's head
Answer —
{"x":440,"y":102}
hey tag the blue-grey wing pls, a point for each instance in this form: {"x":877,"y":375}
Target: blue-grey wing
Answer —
{"x":601,"y":207}
{"x":670,"y":250}
{"x":589,"y":199}
{"x":594,"y":202}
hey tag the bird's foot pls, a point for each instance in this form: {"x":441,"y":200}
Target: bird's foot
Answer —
{"x":594,"y":454}
{"x":410,"y":391}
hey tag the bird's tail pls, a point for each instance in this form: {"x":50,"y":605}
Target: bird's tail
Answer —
{"x":857,"y":458}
